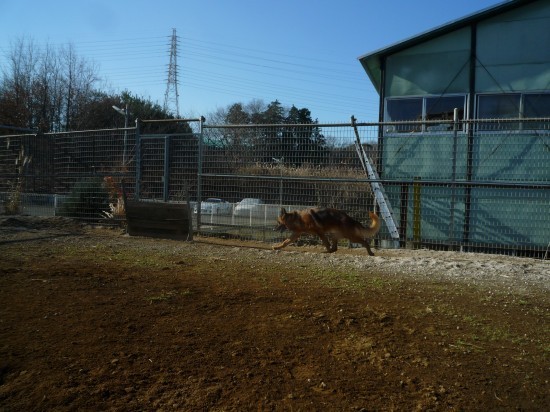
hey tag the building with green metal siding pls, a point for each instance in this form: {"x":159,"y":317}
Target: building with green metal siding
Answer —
{"x":466,"y":112}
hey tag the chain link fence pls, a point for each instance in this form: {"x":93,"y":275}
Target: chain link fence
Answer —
{"x":474,"y":186}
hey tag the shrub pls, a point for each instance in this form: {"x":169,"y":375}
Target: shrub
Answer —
{"x":88,"y":199}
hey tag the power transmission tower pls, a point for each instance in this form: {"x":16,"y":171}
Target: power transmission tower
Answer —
{"x":171,"y":97}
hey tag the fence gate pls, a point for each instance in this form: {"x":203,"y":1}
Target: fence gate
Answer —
{"x":167,"y":163}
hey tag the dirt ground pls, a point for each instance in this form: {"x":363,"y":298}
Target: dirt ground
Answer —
{"x":92,"y":319}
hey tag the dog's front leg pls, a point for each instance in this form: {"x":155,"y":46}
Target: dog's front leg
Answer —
{"x":334,"y":245}
{"x":287,"y":242}
{"x":326,"y":242}
{"x":366,"y":243}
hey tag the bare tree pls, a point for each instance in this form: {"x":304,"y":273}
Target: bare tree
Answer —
{"x":45,"y":88}
{"x":17,"y":85}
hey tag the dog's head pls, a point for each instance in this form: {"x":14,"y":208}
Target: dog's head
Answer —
{"x":281,"y":221}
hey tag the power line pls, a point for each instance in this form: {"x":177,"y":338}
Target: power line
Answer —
{"x":230,"y":70}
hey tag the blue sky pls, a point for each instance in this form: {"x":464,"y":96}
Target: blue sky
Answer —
{"x":303,"y":53}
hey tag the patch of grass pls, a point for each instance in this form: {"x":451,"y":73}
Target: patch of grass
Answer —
{"x":488,"y":331}
{"x":378,"y":283}
{"x":473,"y":321}
{"x":335,"y":277}
{"x":163,"y":297}
{"x":349,"y":278}
{"x":466,"y":347}
{"x":476,"y":331}
{"x":152,"y":259}
{"x":186,"y":292}
{"x":499,"y":333}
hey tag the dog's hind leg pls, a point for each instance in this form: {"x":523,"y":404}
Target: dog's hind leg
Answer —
{"x":366,"y":243}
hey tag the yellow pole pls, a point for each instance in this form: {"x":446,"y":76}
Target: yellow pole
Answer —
{"x":417,"y":186}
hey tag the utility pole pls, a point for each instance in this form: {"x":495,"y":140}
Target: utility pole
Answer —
{"x":124,"y":112}
{"x":171,"y":97}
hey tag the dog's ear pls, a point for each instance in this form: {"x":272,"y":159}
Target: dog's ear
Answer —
{"x":283,"y":212}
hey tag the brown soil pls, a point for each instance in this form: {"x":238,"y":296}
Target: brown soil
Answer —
{"x":91,"y":319}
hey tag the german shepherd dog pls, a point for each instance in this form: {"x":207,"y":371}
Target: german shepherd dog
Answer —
{"x":323,"y":222}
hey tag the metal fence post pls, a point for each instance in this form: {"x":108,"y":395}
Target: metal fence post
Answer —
{"x":453,"y":178}
{"x":417,"y":216}
{"x":138,"y":160}
{"x":166,"y":177}
{"x":199,"y":173}
{"x":404,"y":213}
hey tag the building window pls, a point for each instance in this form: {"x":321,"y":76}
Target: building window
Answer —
{"x":423,"y":109}
{"x":442,"y":108}
{"x":536,"y":105}
{"x":498,"y":106}
{"x":403,"y":110}
{"x":512,"y":106}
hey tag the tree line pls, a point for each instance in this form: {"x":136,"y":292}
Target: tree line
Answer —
{"x":289,"y":135}
{"x":52,"y":89}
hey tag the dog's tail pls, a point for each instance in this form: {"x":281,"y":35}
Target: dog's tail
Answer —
{"x":372,"y":230}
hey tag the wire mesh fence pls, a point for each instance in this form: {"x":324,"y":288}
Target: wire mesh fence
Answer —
{"x":482,"y":185}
